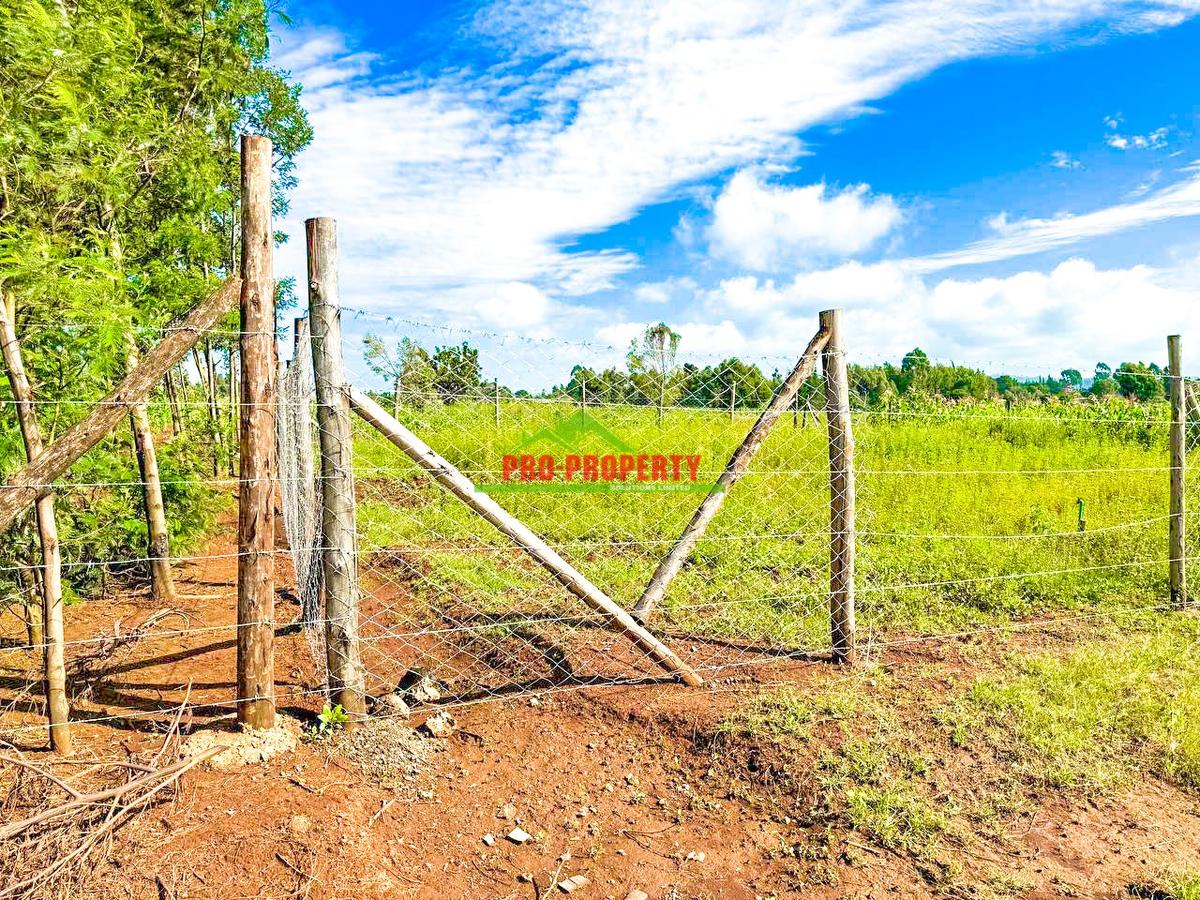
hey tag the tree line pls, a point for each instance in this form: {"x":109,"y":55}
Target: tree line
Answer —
{"x":654,"y":376}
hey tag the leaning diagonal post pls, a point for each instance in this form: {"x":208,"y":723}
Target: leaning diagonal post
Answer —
{"x":734,"y":469}
{"x":30,"y":482}
{"x":566,"y":574}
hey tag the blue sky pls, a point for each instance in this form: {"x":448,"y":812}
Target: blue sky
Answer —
{"x":1015,"y":185}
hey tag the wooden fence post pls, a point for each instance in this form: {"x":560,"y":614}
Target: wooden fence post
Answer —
{"x":339,"y":562}
{"x":51,"y":629}
{"x":841,"y":490}
{"x":1178,"y":549}
{"x":158,"y":546}
{"x":256,"y":501}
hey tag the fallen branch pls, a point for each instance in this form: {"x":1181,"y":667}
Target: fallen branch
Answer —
{"x":56,"y":843}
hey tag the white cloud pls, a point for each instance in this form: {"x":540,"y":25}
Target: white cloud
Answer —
{"x":669,"y":290}
{"x":515,"y":304}
{"x":766,"y":226}
{"x":1076,"y":314}
{"x":699,"y":340}
{"x":479,"y":178}
{"x":1060,"y":159}
{"x":1022,"y":237}
{"x":1155,"y":140}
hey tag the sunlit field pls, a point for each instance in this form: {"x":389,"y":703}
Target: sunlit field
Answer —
{"x":967,"y":515}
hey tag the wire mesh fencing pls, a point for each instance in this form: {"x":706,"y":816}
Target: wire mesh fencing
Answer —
{"x":971,"y":515}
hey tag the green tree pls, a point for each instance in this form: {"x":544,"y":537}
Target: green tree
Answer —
{"x":119,"y":209}
{"x":915,"y":358}
{"x":1139,"y":381}
{"x":456,"y":372}
{"x":732,"y":381}
{"x":409,"y":370}
{"x":652,"y":367}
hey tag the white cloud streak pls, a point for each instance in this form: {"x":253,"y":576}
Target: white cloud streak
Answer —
{"x":1029,"y":322}
{"x":1023,"y":237}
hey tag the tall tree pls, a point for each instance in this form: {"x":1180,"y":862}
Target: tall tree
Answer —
{"x":118,"y":209}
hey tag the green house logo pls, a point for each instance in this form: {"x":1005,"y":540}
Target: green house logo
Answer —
{"x":570,"y":433}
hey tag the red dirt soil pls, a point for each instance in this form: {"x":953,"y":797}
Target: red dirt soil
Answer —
{"x":630,"y":782}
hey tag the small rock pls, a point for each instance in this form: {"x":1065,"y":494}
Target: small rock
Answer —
{"x":637,"y":895}
{"x":417,"y":686}
{"x":525,"y":877}
{"x":534,"y":701}
{"x":698,"y":857}
{"x":440,"y":725}
{"x":489,"y":839}
{"x":631,"y":779}
{"x":392,"y":705}
{"x":300,"y":824}
{"x":567,"y":885}
{"x":519,"y":836}
{"x":507,"y":811}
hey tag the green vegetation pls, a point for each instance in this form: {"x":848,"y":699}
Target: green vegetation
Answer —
{"x":968,"y":516}
{"x":925,"y":761}
{"x":1092,"y":717}
{"x":119,"y":210}
{"x":330,"y":720}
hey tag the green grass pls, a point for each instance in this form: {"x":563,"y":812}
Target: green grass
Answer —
{"x":927,"y":761}
{"x":965,"y":517}
{"x":1091,"y":717}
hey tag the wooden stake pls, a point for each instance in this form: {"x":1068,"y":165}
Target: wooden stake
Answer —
{"x":158,"y":547}
{"x":734,"y":469}
{"x":27,"y":484}
{"x":444,"y":472}
{"x":54,"y":657}
{"x":1178,"y":441}
{"x":214,"y":414}
{"x":256,"y":509}
{"x":339,"y":561}
{"x":841,"y":491}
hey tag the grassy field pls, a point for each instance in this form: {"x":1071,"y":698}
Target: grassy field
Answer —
{"x":943,"y":759}
{"x":968,"y":516}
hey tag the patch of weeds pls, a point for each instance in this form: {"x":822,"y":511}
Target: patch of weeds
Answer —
{"x":878,"y":786}
{"x":330,"y":720}
{"x":791,"y":713}
{"x":1086,"y":719}
{"x":895,"y":815}
{"x":1173,"y":887}
{"x":1003,"y":885}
